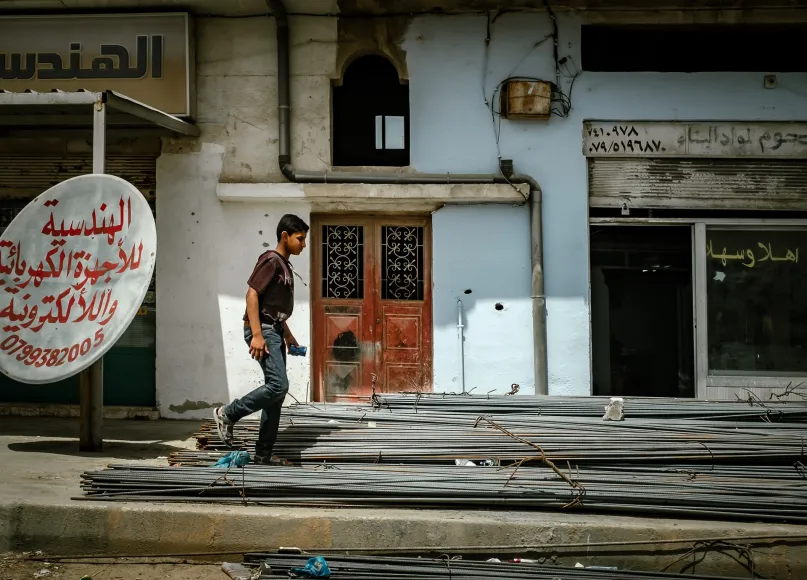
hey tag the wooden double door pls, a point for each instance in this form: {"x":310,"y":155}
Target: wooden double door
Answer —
{"x":372,"y":300}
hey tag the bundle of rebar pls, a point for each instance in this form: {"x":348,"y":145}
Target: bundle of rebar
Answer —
{"x":731,"y":460}
{"x":774,"y":494}
{"x":376,"y":567}
{"x":751,"y":408}
{"x":437,"y":429}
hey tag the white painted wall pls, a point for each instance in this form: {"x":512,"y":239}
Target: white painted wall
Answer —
{"x":484,"y":249}
{"x":207,"y":250}
{"x":451,"y":130}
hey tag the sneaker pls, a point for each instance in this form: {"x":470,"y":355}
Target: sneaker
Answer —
{"x":272,"y":460}
{"x":223,"y":426}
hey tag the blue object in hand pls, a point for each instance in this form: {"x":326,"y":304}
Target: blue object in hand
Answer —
{"x":297,"y":350}
{"x":316,"y":567}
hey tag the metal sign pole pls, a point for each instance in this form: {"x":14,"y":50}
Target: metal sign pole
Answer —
{"x":91,"y":415}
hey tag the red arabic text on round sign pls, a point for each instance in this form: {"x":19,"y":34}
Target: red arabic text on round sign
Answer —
{"x":75,"y":266}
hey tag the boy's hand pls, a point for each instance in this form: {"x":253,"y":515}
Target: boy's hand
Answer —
{"x":258,"y":347}
{"x":290,"y":342}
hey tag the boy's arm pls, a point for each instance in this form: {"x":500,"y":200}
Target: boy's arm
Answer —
{"x":261,"y":277}
{"x":253,"y":312}
{"x":258,"y":345}
{"x":288,"y":336}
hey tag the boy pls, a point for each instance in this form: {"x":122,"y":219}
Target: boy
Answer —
{"x":270,"y":301}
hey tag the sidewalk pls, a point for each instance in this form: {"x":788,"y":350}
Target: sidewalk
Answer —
{"x":40,"y":467}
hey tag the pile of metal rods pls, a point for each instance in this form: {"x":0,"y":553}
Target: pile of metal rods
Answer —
{"x":436,"y":429}
{"x":372,"y":567}
{"x":638,"y":407}
{"x":774,"y":494}
{"x":729,"y":460}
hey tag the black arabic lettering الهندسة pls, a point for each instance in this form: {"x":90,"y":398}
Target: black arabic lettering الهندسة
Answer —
{"x":114,"y":63}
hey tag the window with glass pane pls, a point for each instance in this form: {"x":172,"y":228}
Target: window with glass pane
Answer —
{"x":757,"y":301}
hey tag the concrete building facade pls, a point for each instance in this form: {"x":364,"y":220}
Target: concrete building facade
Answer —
{"x":219,"y":197}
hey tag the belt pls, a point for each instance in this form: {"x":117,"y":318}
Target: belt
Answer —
{"x":276,"y":325}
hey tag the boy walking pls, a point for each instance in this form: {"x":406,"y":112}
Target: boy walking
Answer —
{"x":270,"y":301}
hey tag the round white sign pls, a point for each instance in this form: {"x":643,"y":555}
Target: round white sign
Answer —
{"x":75,"y":266}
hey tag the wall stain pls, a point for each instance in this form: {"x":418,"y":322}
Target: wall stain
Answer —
{"x":193,"y":406}
{"x":362,"y":36}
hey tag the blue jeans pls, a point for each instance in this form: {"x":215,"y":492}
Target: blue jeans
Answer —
{"x":268,"y":397}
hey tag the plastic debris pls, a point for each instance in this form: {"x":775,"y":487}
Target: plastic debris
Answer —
{"x":233,"y":459}
{"x":615,"y":410}
{"x":236,"y":571}
{"x":604,"y":568}
{"x":316,"y":567}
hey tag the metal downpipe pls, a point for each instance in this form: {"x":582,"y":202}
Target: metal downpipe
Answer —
{"x":278,"y":10}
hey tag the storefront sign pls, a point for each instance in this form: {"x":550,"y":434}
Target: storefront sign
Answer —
{"x":147,"y":57}
{"x":652,"y":139}
{"x":752,"y":256}
{"x":75,"y":265}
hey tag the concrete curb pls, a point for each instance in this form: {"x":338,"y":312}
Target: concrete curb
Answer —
{"x":132,"y":528}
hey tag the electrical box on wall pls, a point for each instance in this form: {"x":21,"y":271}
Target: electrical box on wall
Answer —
{"x":526,"y":99}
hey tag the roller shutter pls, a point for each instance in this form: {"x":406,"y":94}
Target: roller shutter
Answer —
{"x":698,"y":183}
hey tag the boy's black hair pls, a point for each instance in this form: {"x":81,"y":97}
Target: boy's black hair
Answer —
{"x":291,"y":224}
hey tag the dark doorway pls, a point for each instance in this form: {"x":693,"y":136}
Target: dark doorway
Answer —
{"x":642,"y":311}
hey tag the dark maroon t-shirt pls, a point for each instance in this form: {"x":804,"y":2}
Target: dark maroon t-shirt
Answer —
{"x":273,"y":280}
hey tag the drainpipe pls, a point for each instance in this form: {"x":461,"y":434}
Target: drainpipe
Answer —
{"x":505,"y":177}
{"x":461,"y":345}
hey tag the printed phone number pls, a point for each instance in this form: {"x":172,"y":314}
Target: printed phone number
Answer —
{"x":30,"y":354}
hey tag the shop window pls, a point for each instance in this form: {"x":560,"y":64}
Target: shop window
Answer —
{"x":371,"y":115}
{"x":756,"y":301}
{"x":693,"y":48}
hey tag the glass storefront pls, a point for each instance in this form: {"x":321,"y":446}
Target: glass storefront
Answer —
{"x":747,"y":297}
{"x":756,"y":301}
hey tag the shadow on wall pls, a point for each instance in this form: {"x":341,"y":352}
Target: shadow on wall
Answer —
{"x":482,"y":257}
{"x":251,"y":229}
{"x":209,"y":249}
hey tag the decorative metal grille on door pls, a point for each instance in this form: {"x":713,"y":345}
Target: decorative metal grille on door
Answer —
{"x":343,"y":262}
{"x":402,"y":263}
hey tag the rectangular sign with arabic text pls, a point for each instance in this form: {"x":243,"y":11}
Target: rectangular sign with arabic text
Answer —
{"x":147,"y":57}
{"x":668,"y":139}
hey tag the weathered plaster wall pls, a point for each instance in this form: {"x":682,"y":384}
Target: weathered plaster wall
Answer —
{"x":452,"y":131}
{"x":208,"y":251}
{"x":237,"y":94}
{"x":201,"y":353}
{"x":497,"y":312}
{"x":208,"y":247}
{"x":209,"y":242}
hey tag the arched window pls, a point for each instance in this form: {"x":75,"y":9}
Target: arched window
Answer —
{"x":371,"y":115}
